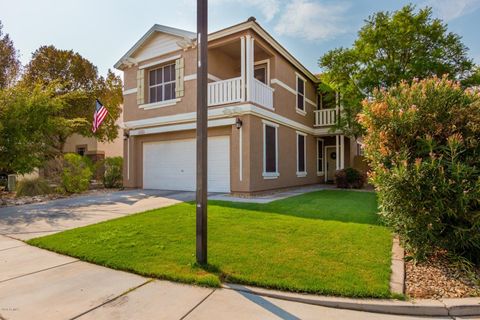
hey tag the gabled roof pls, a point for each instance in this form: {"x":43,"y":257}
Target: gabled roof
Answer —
{"x":187,"y":35}
{"x":251,"y":23}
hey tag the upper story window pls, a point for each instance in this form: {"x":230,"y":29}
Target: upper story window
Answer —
{"x":260,"y":73}
{"x":162,"y":83}
{"x":300,"y":95}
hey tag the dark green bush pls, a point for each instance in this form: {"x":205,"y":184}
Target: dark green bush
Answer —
{"x":32,"y":187}
{"x":76,"y":173}
{"x":112,"y":176}
{"x":350,"y":178}
{"x":423,"y":148}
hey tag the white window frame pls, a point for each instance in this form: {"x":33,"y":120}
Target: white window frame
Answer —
{"x":322,"y":172}
{"x":163,"y":84}
{"x":302,"y":173}
{"x":270,"y":175}
{"x":297,"y":109}
{"x":267,"y":70}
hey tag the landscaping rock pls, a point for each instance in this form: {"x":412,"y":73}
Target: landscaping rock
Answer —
{"x":438,"y":278}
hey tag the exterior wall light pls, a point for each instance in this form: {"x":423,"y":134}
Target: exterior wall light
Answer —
{"x":238,"y":123}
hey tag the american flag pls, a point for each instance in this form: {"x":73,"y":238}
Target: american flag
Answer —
{"x":99,"y":115}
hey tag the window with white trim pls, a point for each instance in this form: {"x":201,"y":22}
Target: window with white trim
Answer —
{"x":161,"y":83}
{"x":300,"y":94}
{"x":320,"y":148}
{"x":260,"y":73}
{"x":270,"y":150}
{"x":301,"y":154}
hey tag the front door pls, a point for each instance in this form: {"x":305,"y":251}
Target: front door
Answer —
{"x":331,"y":163}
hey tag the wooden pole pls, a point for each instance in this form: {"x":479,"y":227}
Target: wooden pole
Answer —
{"x":202,"y":114}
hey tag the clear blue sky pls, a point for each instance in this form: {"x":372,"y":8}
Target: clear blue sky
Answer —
{"x":103,"y":30}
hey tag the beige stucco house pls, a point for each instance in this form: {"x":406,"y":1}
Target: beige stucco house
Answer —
{"x":94,"y":149}
{"x":268,"y":127}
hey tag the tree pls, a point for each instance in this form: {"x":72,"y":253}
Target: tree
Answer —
{"x":29,"y":117}
{"x":473,"y":80}
{"x":9,"y":63}
{"x":390,"y":48}
{"x":79,"y":85}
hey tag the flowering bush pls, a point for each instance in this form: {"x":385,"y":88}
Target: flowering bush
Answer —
{"x":422,"y":143}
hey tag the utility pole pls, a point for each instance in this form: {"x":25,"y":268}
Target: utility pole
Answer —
{"x":202,"y":115}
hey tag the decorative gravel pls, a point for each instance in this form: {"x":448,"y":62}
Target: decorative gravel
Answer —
{"x":437,"y":278}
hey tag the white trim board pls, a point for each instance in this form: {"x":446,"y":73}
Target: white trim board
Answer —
{"x":224,"y":112}
{"x":283,"y":85}
{"x":193,"y":76}
{"x":182,"y":127}
{"x":129,"y":91}
{"x":154,"y":63}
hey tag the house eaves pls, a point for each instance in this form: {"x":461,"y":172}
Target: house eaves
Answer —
{"x":187,"y":35}
{"x":191,"y":36}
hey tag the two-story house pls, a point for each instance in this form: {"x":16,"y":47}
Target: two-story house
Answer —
{"x":267,"y":128}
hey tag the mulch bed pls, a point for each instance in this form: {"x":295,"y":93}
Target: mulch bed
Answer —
{"x":438,"y":278}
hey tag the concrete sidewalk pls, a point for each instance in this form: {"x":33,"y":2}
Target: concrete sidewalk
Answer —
{"x":36,"y":283}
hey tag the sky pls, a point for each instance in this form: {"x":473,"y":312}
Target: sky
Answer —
{"x":103,"y":30}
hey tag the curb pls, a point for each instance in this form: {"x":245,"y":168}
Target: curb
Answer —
{"x":424,"y":307}
{"x":397,"y":278}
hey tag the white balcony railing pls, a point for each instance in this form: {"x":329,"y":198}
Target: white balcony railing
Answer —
{"x":325,"y":117}
{"x":262,"y":94}
{"x":225,"y":91}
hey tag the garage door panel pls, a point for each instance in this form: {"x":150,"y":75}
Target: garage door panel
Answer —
{"x":170,"y":165}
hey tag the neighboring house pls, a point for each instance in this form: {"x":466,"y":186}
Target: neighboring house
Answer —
{"x":267,"y":126}
{"x":94,"y":149}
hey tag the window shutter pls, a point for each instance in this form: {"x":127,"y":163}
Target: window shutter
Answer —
{"x":140,"y":86}
{"x":179,"y":73}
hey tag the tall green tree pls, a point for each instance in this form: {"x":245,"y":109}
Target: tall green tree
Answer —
{"x":9,"y":63}
{"x":29,"y":117}
{"x":79,"y":85}
{"x":391,"y":47}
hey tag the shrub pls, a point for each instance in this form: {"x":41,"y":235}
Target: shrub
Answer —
{"x":76,"y":173}
{"x":32,"y":187}
{"x":350,"y":178}
{"x":423,"y":148}
{"x":112,"y":176}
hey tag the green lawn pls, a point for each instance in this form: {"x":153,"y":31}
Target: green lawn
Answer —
{"x":326,"y":242}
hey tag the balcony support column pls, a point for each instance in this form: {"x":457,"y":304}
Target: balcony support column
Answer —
{"x":242,"y":67}
{"x":249,"y":65}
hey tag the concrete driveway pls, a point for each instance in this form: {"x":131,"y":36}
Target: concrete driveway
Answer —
{"x":34,"y":220}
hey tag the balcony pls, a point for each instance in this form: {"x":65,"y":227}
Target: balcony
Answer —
{"x":262,"y":94}
{"x":239,"y":71}
{"x":326,"y":117}
{"x":225,"y":92}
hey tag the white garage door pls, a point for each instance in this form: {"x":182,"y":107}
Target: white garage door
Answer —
{"x":170,"y":165}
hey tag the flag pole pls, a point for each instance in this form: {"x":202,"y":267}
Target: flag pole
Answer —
{"x":202,"y":82}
